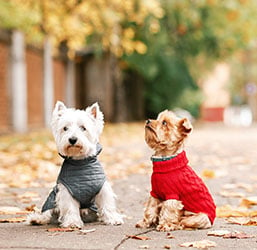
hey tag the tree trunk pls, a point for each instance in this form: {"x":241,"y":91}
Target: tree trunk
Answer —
{"x":120,"y":108}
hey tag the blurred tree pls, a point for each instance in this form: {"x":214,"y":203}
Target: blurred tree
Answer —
{"x":104,"y":25}
{"x":169,"y":43}
{"x":192,"y":36}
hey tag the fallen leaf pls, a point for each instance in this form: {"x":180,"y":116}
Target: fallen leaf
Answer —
{"x":249,"y":188}
{"x":218,"y":233}
{"x":208,"y":173}
{"x":170,"y":236}
{"x":28,"y":194}
{"x":167,"y":246}
{"x":230,"y":194}
{"x":62,"y":229}
{"x":228,"y":211}
{"x":138,"y":237}
{"x":31,"y":208}
{"x":12,"y":210}
{"x":13,"y":220}
{"x":199,"y":244}
{"x":246,"y":221}
{"x":144,"y":247}
{"x":249,"y":201}
{"x":237,"y":235}
{"x":86,"y":231}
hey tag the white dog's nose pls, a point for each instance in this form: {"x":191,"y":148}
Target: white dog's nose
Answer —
{"x":73,"y":140}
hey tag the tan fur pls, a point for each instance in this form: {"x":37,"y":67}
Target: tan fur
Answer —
{"x":166,"y":137}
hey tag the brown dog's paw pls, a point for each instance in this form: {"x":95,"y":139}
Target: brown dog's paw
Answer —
{"x":142,"y":224}
{"x":168,"y":227}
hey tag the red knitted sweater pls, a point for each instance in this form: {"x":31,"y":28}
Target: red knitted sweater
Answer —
{"x":174,"y":179}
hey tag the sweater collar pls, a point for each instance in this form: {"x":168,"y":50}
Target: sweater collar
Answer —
{"x":169,"y":163}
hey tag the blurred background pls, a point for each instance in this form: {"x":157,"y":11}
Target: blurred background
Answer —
{"x":135,"y":57}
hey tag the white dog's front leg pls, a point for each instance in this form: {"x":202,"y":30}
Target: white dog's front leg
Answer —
{"x":105,"y":201}
{"x":68,"y":207}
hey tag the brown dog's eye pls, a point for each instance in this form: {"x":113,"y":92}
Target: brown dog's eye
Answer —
{"x":164,"y":123}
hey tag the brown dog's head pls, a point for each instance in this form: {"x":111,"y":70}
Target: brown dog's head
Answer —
{"x":167,"y":134}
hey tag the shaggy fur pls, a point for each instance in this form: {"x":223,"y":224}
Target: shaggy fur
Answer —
{"x":166,"y":136}
{"x":76,"y":133}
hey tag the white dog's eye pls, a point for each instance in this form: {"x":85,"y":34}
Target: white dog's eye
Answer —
{"x":164,"y":123}
{"x":83,"y":128}
{"x":65,"y":128}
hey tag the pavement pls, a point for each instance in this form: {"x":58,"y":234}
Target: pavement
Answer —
{"x":227,"y":153}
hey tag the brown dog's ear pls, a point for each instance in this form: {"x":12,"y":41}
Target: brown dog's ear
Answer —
{"x":185,"y":126}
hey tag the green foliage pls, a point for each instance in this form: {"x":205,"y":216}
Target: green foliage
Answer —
{"x":14,"y":16}
{"x":190,"y":100}
{"x":192,"y":35}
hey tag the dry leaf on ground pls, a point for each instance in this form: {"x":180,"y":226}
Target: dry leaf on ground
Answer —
{"x":247,"y":187}
{"x":199,"y":244}
{"x":144,"y":247}
{"x":86,"y":231}
{"x":170,"y":236}
{"x":208,"y":174}
{"x":62,"y":229}
{"x":12,"y":210}
{"x":243,"y":221}
{"x":231,"y":194}
{"x":229,"y":235}
{"x":13,"y":220}
{"x":138,"y":237}
{"x":228,"y":211}
{"x":31,"y":208}
{"x":237,"y":235}
{"x":249,"y":201}
{"x":218,"y":233}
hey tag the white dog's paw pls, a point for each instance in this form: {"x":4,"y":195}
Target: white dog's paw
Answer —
{"x":38,"y":219}
{"x":77,"y":223}
{"x":112,"y":219}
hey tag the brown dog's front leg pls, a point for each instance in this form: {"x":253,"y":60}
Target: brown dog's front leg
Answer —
{"x":170,"y":215}
{"x":151,"y":214}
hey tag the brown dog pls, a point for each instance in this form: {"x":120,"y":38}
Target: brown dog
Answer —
{"x":179,"y":198}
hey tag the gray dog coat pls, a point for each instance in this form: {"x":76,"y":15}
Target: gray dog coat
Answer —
{"x":83,"y":179}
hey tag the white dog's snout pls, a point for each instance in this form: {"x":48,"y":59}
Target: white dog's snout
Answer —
{"x":73,"y":140}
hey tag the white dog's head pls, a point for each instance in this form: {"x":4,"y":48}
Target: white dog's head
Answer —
{"x":77,"y":132}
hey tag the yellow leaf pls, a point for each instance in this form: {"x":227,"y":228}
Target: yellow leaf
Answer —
{"x":208,"y":173}
{"x":228,"y":211}
{"x":248,"y":202}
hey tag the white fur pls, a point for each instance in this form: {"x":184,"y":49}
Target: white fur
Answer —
{"x":86,"y":126}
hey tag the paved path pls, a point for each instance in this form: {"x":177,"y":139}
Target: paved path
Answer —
{"x":229,"y":153}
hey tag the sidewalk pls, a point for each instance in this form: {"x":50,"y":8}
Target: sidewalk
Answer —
{"x":230,"y":155}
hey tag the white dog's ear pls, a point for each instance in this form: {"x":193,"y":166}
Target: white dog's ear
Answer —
{"x":59,"y":109}
{"x":95,"y":111}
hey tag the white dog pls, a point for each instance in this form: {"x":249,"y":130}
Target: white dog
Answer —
{"x":81,"y":183}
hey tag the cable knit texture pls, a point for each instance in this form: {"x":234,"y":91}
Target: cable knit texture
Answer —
{"x":174,"y":179}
